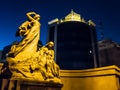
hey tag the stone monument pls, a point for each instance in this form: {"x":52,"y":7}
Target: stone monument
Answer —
{"x":30,"y":64}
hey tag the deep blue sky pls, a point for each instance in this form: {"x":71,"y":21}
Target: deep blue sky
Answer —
{"x":13,"y":14}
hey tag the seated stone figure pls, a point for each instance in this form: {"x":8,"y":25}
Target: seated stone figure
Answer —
{"x":26,"y":61}
{"x":47,"y":56}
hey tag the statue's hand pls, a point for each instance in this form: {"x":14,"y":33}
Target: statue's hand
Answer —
{"x":31,"y":13}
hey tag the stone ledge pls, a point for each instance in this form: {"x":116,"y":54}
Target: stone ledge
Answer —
{"x":108,"y":70}
{"x":103,"y":78}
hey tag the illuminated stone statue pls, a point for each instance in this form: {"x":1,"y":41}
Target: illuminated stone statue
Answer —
{"x":26,"y":61}
{"x":30,"y":31}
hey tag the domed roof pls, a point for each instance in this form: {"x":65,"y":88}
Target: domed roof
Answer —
{"x":72,"y":16}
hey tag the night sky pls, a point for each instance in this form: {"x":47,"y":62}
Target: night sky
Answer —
{"x":13,"y":14}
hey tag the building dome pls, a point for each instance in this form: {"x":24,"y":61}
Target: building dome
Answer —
{"x":72,"y":16}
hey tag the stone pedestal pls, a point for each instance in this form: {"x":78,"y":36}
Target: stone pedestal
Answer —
{"x":29,"y":85}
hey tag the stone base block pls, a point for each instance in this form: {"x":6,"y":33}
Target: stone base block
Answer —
{"x":29,"y":85}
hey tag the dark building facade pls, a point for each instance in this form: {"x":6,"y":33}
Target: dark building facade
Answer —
{"x":75,"y":42}
{"x":109,"y":53}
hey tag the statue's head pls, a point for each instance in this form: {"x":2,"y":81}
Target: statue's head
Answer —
{"x":50,"y":44}
{"x":37,"y":17}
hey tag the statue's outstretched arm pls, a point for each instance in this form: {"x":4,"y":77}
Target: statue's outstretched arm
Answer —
{"x":29,"y":15}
